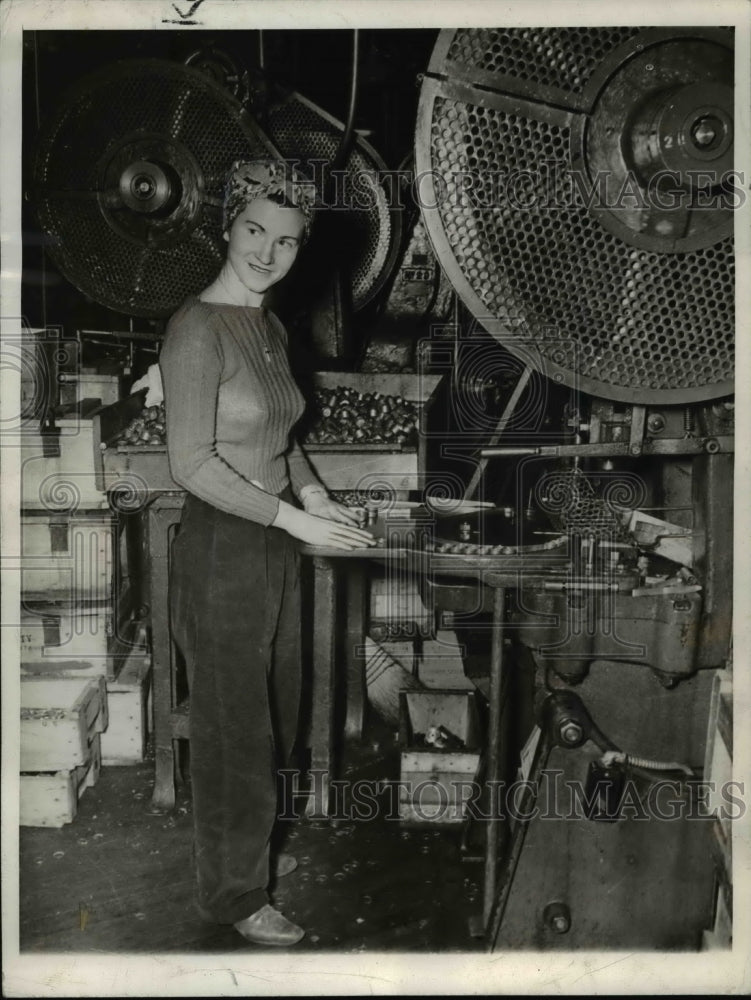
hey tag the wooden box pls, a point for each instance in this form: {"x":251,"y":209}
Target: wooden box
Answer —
{"x":129,"y":704}
{"x":90,"y":384}
{"x":51,"y":799}
{"x":435,"y":784}
{"x":59,"y":719}
{"x":76,"y":639}
{"x":362,"y":466}
{"x":142,"y":468}
{"x":73,"y":557}
{"x":58,"y":467}
{"x":340,"y":467}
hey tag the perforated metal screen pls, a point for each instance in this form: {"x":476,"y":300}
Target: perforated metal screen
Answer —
{"x":301,"y":130}
{"x":510,"y":223}
{"x":564,"y":57}
{"x":141,"y":105}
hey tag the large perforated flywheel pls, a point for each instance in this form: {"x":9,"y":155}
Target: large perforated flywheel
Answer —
{"x":578,"y":188}
{"x":129,"y":178}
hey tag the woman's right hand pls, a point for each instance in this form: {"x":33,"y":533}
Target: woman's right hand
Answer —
{"x":319,"y":531}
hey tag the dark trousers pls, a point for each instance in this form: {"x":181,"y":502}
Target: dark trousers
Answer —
{"x":235,"y":608}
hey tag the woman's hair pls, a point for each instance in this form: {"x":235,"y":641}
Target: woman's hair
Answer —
{"x":273,"y":179}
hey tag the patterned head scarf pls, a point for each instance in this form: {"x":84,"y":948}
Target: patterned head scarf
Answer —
{"x":272,"y":179}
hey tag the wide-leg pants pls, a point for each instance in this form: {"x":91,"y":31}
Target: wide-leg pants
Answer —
{"x":235,"y":612}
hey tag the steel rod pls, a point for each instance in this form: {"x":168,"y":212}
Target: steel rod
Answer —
{"x":508,"y":412}
{"x":494,"y":758}
{"x":529,"y":796}
{"x":656,"y":446}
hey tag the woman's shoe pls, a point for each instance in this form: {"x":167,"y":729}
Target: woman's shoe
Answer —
{"x":269,"y":926}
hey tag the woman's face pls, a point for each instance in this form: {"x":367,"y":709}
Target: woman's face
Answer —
{"x":263,"y":242}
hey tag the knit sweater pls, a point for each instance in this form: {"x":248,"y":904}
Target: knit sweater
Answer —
{"x":231,"y":403}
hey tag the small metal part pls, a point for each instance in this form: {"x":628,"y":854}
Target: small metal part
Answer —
{"x":589,"y":551}
{"x":603,"y":792}
{"x":530,"y":510}
{"x":557,"y":917}
{"x":571,"y":732}
{"x":655,"y":423}
{"x":508,"y":452}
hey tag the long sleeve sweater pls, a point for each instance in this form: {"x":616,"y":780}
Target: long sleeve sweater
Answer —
{"x":231,"y":403}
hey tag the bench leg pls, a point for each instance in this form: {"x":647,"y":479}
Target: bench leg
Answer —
{"x":357,"y":612}
{"x":161,"y":660}
{"x":163,"y":796}
{"x":323,"y":688}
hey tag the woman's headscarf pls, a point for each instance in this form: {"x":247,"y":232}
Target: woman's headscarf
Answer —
{"x":272,"y":179}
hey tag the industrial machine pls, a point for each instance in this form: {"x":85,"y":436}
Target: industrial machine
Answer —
{"x":548,"y":156}
{"x":576,"y":187}
{"x":578,"y":191}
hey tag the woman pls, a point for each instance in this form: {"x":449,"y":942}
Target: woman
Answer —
{"x":231,"y":403}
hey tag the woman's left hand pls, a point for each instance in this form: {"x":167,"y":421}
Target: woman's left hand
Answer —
{"x":322,"y":505}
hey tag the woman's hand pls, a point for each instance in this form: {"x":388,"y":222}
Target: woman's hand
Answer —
{"x":320,"y":531}
{"x":322,"y":505}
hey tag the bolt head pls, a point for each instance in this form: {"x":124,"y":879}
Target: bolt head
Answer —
{"x":571,"y":732}
{"x":656,"y":422}
{"x":560,"y":924}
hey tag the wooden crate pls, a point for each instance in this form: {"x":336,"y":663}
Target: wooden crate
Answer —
{"x":346,"y":468}
{"x":354,"y":467}
{"x":90,"y":384}
{"x":87,"y":639}
{"x":72,"y":557}
{"x":129,"y":707}
{"x":59,"y":719}
{"x":58,"y":467}
{"x":51,"y":799}
{"x":435,"y":784}
{"x":145,"y":467}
